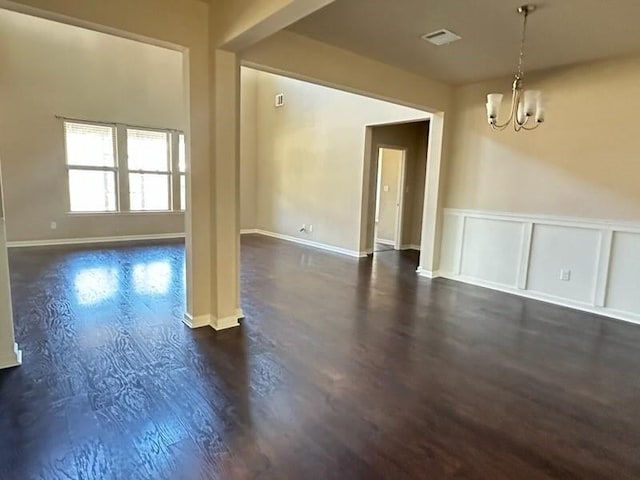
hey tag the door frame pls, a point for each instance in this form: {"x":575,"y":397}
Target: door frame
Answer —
{"x":401,"y":187}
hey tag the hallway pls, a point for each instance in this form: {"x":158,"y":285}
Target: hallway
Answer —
{"x":343,"y":368}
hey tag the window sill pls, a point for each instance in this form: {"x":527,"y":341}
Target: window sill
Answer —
{"x":125,"y":214}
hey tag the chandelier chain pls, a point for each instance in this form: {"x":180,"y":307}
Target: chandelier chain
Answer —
{"x":522,"y":42}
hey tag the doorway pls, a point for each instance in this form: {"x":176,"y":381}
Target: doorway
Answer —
{"x":390,"y":179}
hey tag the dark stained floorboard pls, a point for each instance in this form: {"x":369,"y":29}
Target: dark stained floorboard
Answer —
{"x":343,"y":369}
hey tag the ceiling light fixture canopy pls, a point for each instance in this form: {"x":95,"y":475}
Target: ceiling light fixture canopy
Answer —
{"x":525,"y":104}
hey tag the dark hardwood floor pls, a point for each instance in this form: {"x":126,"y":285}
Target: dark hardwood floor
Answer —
{"x":343,"y":369}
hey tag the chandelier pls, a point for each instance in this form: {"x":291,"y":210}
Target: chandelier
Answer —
{"x":526,"y":105}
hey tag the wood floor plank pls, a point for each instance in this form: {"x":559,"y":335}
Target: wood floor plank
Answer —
{"x":343,"y":368}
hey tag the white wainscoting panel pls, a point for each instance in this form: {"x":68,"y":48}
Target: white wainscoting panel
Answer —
{"x":452,"y":228}
{"x":555,"y":248}
{"x":491,"y":250}
{"x":623,"y":287}
{"x":524,"y":255}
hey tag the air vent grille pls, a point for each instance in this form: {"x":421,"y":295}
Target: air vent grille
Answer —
{"x":441,"y":37}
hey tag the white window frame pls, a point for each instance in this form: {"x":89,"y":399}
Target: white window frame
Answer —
{"x":178,"y":175}
{"x":169,"y":173}
{"x":121,"y":169}
{"x":93,"y":168}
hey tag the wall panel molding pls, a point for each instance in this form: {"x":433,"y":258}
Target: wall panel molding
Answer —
{"x":548,"y":245}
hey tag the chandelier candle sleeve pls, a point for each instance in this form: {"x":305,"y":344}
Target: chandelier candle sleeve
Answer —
{"x":521,"y":116}
{"x":493,"y":104}
{"x":539,"y":110}
{"x":531,"y":102}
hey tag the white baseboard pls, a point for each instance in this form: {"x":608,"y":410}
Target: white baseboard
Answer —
{"x":196,"y":322}
{"x":310,"y":243}
{"x":210,"y":321}
{"x":606,"y":312}
{"x":410,"y":247}
{"x":248,"y":231}
{"x":427,"y":273}
{"x":225,"y":323}
{"x":385,"y":242}
{"x":92,"y":240}
{"x":13,"y":359}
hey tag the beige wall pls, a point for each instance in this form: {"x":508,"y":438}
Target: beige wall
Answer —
{"x":248,"y":147}
{"x":184,"y":26}
{"x":310,"y":158}
{"x":390,"y":174}
{"x":306,"y":59}
{"x":584,"y":161}
{"x":55,"y":69}
{"x":413,"y":137}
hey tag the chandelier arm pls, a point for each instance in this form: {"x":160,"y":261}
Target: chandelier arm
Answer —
{"x":515,"y":98}
{"x":532,"y":128}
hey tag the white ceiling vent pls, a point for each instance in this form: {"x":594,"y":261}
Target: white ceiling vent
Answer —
{"x":441,"y":37}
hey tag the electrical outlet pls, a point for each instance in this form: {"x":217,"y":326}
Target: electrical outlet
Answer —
{"x":54,"y":225}
{"x":565,"y":275}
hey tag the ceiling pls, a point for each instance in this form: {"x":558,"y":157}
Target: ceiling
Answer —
{"x":559,"y":33}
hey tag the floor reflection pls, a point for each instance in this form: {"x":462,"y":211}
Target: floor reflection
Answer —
{"x":95,"y":285}
{"x":152,"y":278}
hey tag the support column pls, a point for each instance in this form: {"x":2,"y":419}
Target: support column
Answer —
{"x":199,"y":209}
{"x":10,"y":355}
{"x":429,"y":243}
{"x":226,"y":191}
{"x":212,"y":218}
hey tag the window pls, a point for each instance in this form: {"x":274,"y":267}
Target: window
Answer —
{"x":92,"y":167}
{"x":149,"y":170}
{"x":114,"y":167}
{"x":182,"y":169}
